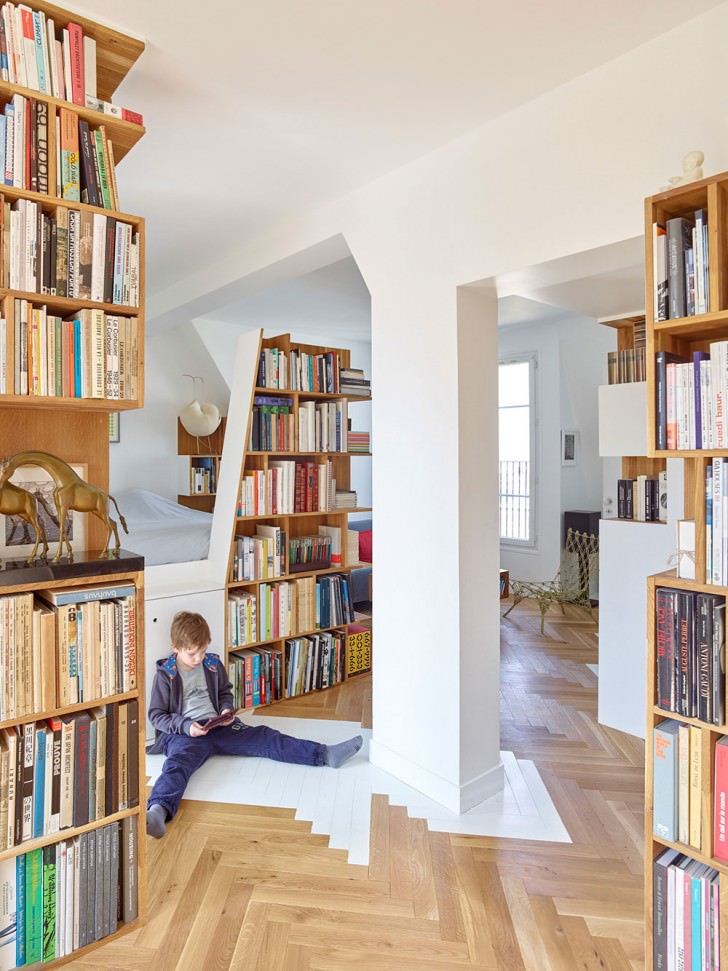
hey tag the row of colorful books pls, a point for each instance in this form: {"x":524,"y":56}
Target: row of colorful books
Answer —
{"x":272,"y":426}
{"x":287,"y":486}
{"x":685,"y":913}
{"x":24,"y":144}
{"x":92,"y":355}
{"x":681,"y":266}
{"x":203,"y":476}
{"x":299,"y":370}
{"x":282,"y":609}
{"x":261,"y":556}
{"x":68,"y":771}
{"x":643,"y":499}
{"x":626,"y":366}
{"x":59,"y":650}
{"x":315,"y":661}
{"x":69,"y":253}
{"x":690,"y":645}
{"x":85,"y":166}
{"x":323,"y":425}
{"x":256,"y":676}
{"x":59,"y":898}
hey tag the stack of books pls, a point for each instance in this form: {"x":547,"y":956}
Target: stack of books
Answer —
{"x":345,"y":499}
{"x":358,"y":442}
{"x":353,"y":382}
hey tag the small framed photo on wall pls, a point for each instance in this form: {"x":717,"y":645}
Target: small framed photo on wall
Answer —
{"x":568,"y":446}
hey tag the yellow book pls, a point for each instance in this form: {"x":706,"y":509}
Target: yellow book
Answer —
{"x":696,"y":785}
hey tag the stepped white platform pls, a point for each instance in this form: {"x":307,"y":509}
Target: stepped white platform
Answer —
{"x":337,"y":802}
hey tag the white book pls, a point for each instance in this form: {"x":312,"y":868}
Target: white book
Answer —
{"x":70,"y":901}
{"x":89,"y":65}
{"x":706,"y":406}
{"x":19,"y":142}
{"x":61,"y":899}
{"x":50,"y":53}
{"x":67,"y":63}
{"x":27,"y":33}
{"x":48,"y":782}
{"x":98,"y":257}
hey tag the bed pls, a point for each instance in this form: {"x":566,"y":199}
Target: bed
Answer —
{"x":162,"y":531}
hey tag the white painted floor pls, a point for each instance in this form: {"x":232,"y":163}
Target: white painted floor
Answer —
{"x":338,"y":801}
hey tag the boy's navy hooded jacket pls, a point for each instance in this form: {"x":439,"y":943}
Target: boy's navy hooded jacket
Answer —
{"x":165,"y":706}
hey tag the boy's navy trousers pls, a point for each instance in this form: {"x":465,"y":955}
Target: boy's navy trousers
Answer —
{"x":185,"y":754}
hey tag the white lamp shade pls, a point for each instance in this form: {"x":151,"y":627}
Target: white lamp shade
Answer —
{"x":200,"y":419}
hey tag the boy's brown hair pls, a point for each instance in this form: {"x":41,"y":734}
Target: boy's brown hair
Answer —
{"x":189,"y":630}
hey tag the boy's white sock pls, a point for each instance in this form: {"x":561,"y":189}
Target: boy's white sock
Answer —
{"x":156,"y":819}
{"x":337,"y":754}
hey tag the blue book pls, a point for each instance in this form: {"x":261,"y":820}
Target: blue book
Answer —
{"x":77,"y":353}
{"x":39,"y":771}
{"x":256,"y":678}
{"x":20,"y":904}
{"x":40,"y":41}
{"x":697,"y":875}
{"x":665,"y":780}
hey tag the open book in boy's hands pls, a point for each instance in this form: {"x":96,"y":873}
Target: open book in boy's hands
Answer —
{"x":220,"y":720}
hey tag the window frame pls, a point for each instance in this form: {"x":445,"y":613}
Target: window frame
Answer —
{"x":530,"y":358}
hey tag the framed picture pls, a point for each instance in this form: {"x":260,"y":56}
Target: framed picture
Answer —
{"x":16,"y":536}
{"x":568,"y":446}
{"x":114,"y":419}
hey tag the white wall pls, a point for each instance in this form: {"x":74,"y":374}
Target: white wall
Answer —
{"x":563,"y":174}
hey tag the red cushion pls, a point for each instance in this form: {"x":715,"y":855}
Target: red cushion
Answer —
{"x":365,"y":545}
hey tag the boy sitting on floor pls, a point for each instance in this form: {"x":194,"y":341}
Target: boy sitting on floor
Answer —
{"x":191,"y":688}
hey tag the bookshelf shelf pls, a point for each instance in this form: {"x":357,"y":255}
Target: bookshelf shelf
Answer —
{"x":685,"y":784}
{"x":299,"y":484}
{"x":71,"y":703}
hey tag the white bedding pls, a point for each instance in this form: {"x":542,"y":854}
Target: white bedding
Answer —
{"x":162,"y":531}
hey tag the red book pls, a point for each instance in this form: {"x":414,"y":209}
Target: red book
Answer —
{"x":78,"y":76}
{"x":128,"y":115}
{"x":720,"y":811}
{"x":219,"y":720}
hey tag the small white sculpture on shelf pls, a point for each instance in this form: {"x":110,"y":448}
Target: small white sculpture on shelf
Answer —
{"x":199,"y":418}
{"x":692,"y":166}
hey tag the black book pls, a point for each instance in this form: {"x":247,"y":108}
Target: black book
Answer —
{"x":686,"y":651}
{"x":679,"y":241}
{"x":89,"y":185}
{"x":81,"y":768}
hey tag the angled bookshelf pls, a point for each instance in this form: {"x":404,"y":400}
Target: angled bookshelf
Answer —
{"x":71,"y":352}
{"x":289,"y":586}
{"x":686,"y":782}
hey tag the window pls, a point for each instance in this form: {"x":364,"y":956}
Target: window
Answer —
{"x":517,"y":449}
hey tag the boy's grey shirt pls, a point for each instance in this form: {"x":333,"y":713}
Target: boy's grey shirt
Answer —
{"x":166,"y":703}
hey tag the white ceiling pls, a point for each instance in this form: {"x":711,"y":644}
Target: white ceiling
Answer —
{"x":256,"y":110}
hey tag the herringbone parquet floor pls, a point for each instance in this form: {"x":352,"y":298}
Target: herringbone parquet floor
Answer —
{"x":234,"y":887}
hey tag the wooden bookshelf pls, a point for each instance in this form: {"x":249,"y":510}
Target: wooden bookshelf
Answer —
{"x":69,"y":418}
{"x":286,"y":484}
{"x":684,"y":335}
{"x":208,"y":448}
{"x":106,"y":805}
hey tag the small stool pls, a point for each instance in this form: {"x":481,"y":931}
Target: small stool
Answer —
{"x":504,"y":579}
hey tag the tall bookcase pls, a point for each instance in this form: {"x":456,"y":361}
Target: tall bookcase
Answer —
{"x":686,"y":713}
{"x":71,"y":351}
{"x":286,"y":625}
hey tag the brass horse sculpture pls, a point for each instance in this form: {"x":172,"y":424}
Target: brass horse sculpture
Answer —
{"x":15,"y":501}
{"x":70,"y":491}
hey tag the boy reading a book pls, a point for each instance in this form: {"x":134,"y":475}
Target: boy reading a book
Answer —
{"x":192,"y":711}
